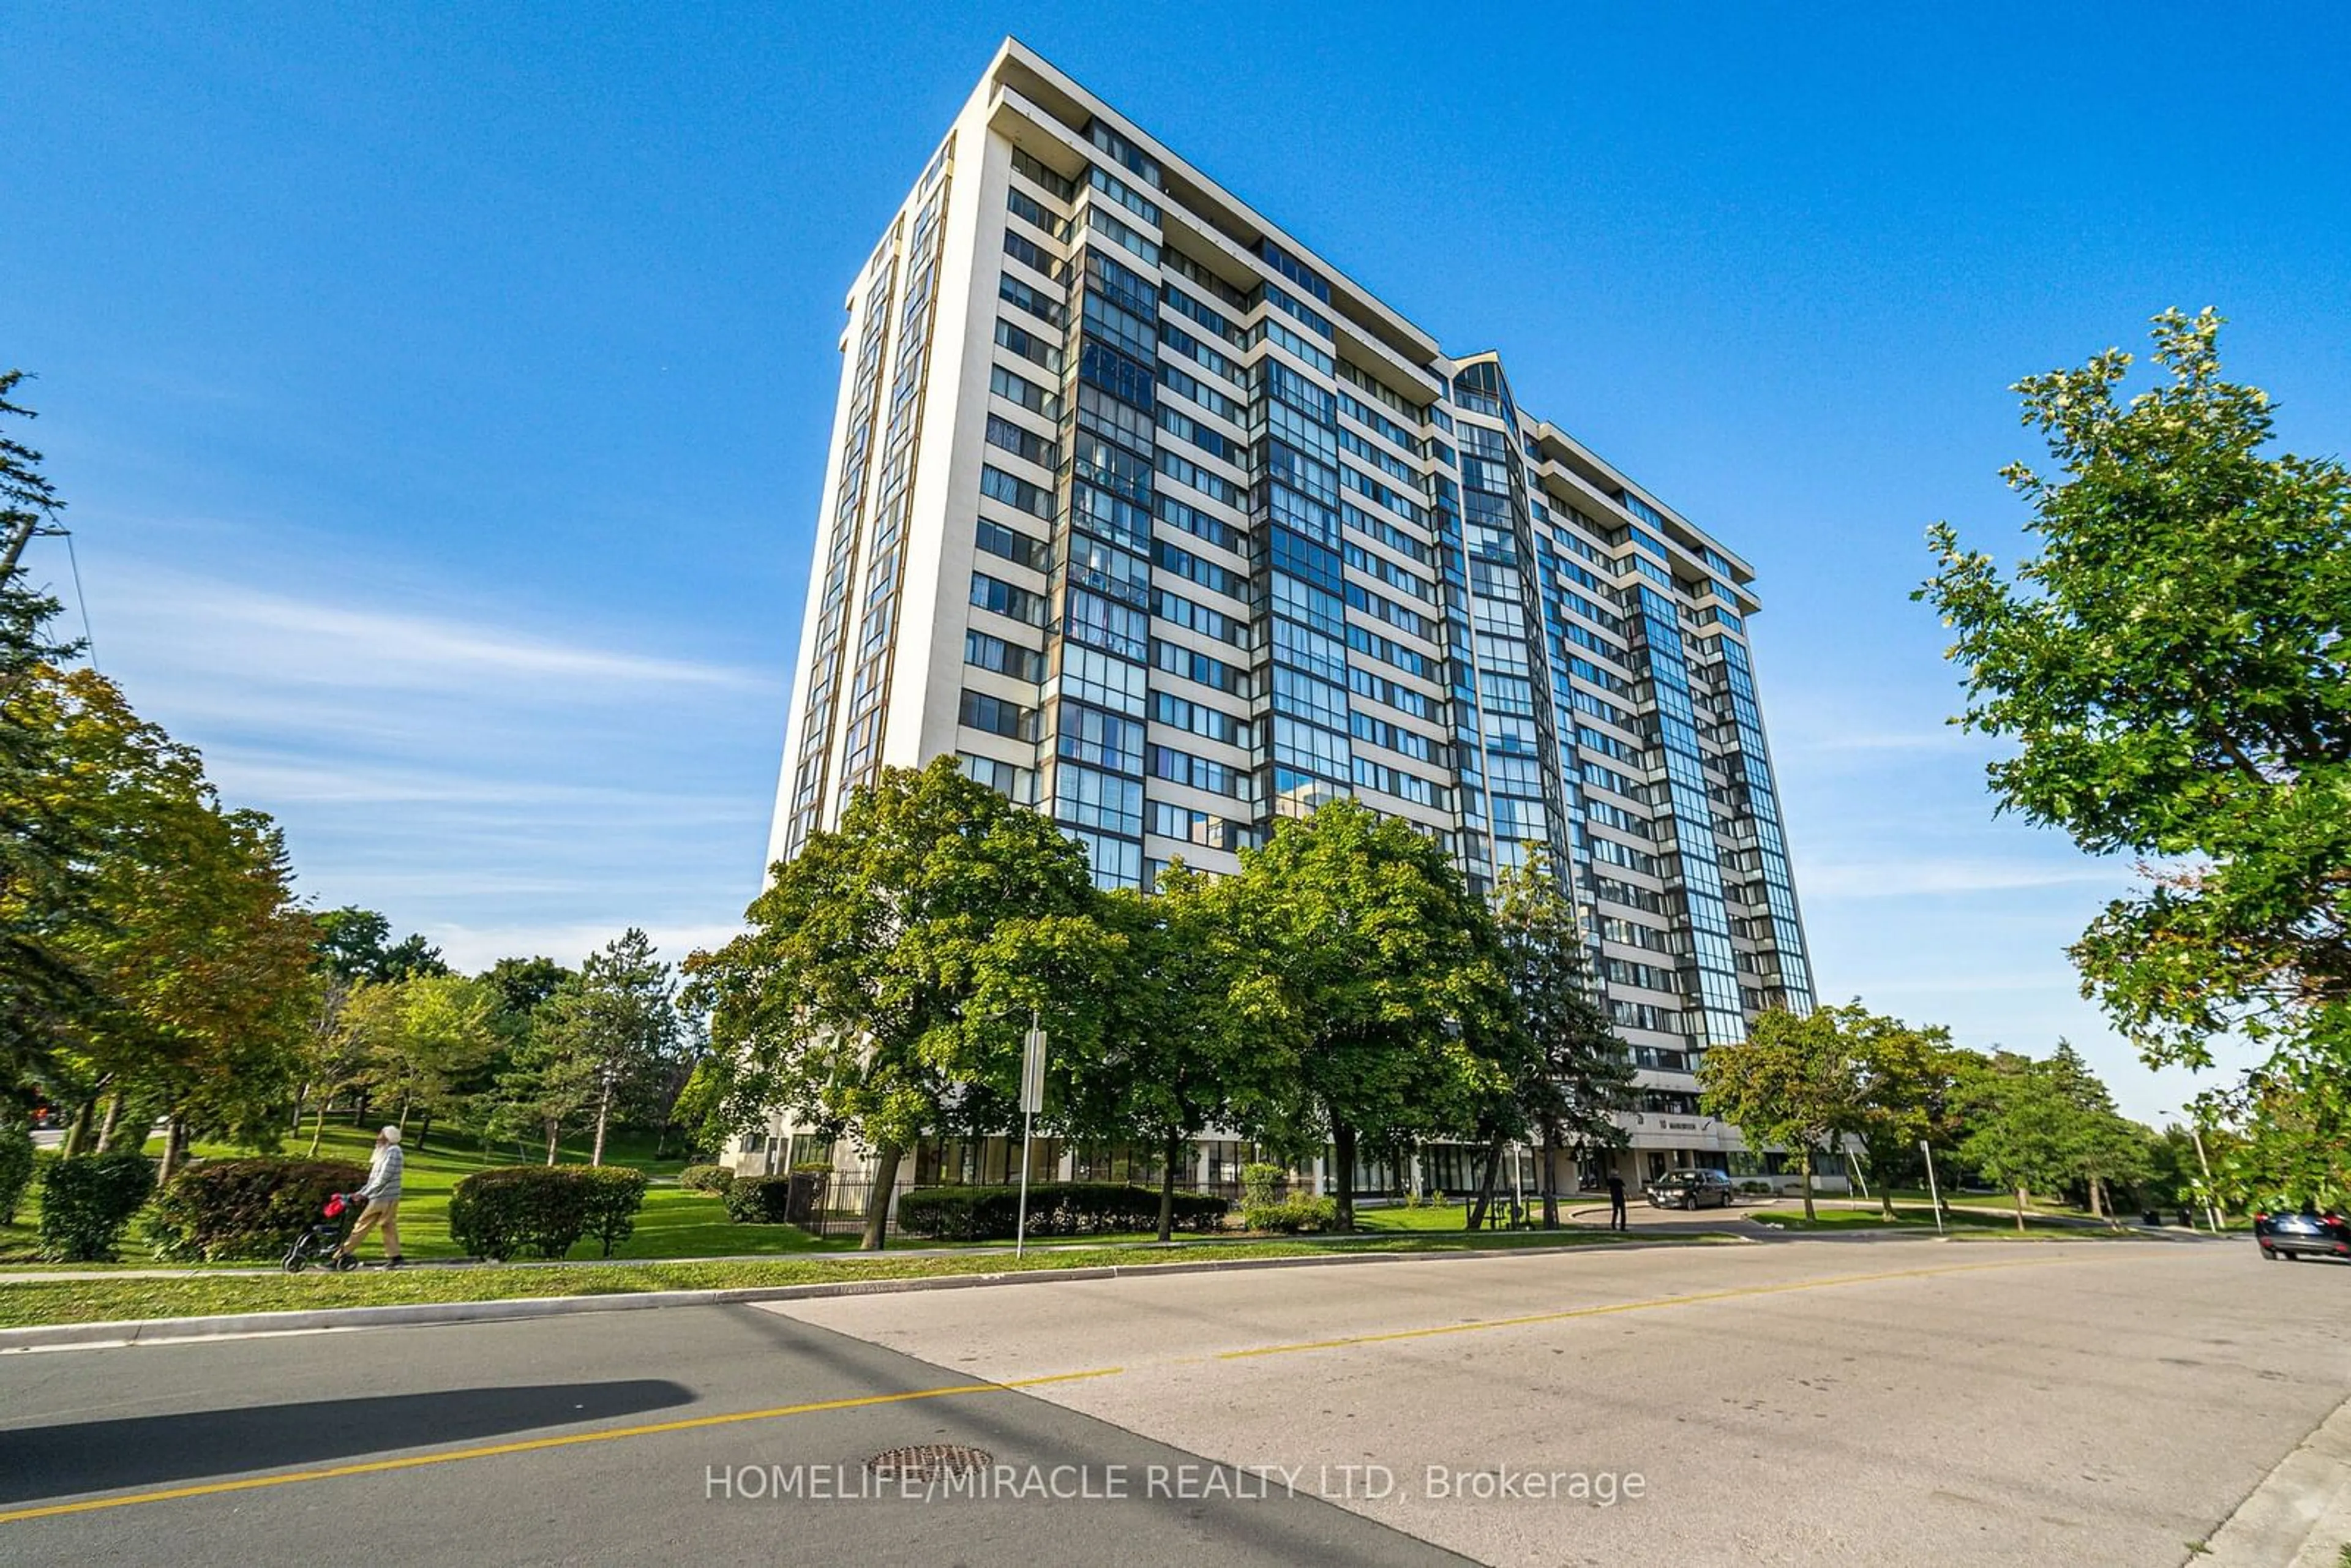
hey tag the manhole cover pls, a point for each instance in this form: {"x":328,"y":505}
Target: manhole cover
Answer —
{"x":930,"y":1461}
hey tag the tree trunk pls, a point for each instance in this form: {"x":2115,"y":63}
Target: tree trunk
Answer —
{"x":603,"y":1116}
{"x":554,"y":1129}
{"x":1885,"y":1196}
{"x":78,"y":1134}
{"x":1167,"y":1187}
{"x":877,"y":1202}
{"x":424,"y":1134}
{"x":1343,"y":1151}
{"x":293,"y":1122}
{"x":107,"y":1128}
{"x":404,"y":1103}
{"x":175,"y":1148}
{"x":319,"y":1124}
{"x":1550,"y":1179}
{"x":360,"y":1110}
{"x":1488,"y":1169}
{"x":1804,"y":1166}
{"x":2020,"y":1209}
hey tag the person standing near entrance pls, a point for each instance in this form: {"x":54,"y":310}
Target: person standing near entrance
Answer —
{"x":1615,"y":1201}
{"x":382,"y":1193}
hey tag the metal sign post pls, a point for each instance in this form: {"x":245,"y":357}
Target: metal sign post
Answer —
{"x":1032,"y":1099}
{"x":1934,"y":1194}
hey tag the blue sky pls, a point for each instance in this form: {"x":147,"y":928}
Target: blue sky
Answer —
{"x":441,"y":392}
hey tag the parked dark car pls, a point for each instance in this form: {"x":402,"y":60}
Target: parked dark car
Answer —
{"x":2291,"y":1235}
{"x":1692,"y":1189}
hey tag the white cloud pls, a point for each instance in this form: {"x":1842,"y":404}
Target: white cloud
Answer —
{"x":303,"y":641}
{"x":1820,"y":881}
{"x":476,"y":947}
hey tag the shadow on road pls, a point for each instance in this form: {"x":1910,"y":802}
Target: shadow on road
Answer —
{"x":147,"y":1450}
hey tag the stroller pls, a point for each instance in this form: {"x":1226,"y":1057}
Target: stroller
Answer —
{"x":317,"y":1244}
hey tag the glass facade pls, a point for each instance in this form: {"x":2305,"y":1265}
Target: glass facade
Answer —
{"x":1239,"y":540}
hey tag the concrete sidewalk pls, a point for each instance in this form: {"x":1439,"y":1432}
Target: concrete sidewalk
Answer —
{"x":2300,"y":1516}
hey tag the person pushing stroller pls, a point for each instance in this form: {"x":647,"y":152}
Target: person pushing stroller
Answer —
{"x":383,"y":1195}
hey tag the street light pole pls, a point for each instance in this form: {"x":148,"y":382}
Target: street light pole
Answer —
{"x":1032,"y":1099}
{"x":1934,"y":1193}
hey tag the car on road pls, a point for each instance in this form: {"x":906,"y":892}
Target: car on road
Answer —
{"x":1692,"y":1189}
{"x":2284,"y":1234}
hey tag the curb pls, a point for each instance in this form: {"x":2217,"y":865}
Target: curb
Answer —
{"x":2300,"y":1514}
{"x":181,"y":1331}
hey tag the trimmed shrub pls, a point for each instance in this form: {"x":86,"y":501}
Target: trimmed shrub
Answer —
{"x":759,"y":1199}
{"x":244,"y":1208}
{"x":87,"y":1201}
{"x":1295,"y":1214}
{"x":705,"y":1178}
{"x":15,"y":1167}
{"x":498,"y":1213}
{"x":1055,"y":1209}
{"x":615,"y":1192}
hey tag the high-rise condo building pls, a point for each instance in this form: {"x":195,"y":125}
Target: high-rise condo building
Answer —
{"x":1165,"y":527}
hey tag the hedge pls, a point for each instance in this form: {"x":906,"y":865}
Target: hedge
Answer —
{"x":705,"y":1178}
{"x":245,"y":1208}
{"x":544,"y":1209}
{"x":759,"y":1199}
{"x":88,"y":1200}
{"x":15,"y":1167}
{"x":615,"y":1192}
{"x":1055,"y":1209}
{"x":1290,"y":1216}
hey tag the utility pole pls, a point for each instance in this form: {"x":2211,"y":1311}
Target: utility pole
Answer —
{"x":24,"y":526}
{"x":1934,"y":1193}
{"x":2211,"y":1212}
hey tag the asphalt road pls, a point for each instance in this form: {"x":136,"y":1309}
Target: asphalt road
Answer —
{"x":1814,"y":1401}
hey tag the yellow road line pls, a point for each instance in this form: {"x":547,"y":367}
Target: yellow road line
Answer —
{"x":1570,"y":1314}
{"x":614,"y":1433}
{"x":607,"y":1435}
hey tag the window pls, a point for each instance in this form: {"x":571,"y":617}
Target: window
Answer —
{"x":1087,"y":799}
{"x":1023,"y":443}
{"x":998,"y":716}
{"x":1027,"y":394}
{"x":1018,"y":785}
{"x":1035,"y":301}
{"x":1106,"y":740}
{"x":1099,"y":678}
{"x":1013,"y":491}
{"x":1020,"y":603}
{"x":987,"y":653}
{"x":1105,"y":624}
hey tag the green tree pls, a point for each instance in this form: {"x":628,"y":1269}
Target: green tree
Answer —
{"x":443,"y":1036}
{"x":618,"y":1024}
{"x":2022,"y":1129}
{"x":353,"y":946}
{"x":46,"y":838}
{"x":1908,"y":1078}
{"x":1571,"y":1072}
{"x":2107,"y":1150}
{"x":195,"y":957}
{"x":2281,"y":1137}
{"x":1372,"y":967}
{"x":1159,"y":1055}
{"x":850,"y":1001}
{"x":1795,"y":1082}
{"x":2173,"y":668}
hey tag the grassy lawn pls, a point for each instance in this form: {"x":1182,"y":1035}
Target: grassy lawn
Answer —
{"x":673,"y":1223}
{"x":29,"y":1303}
{"x":1907,"y":1216}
